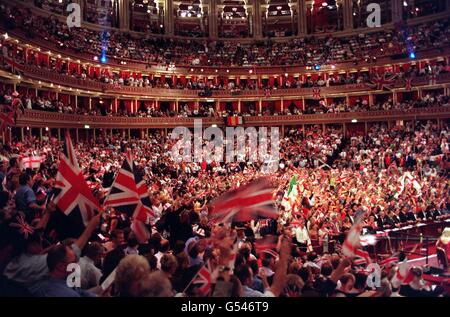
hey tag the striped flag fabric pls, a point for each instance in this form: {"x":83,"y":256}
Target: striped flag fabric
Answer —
{"x":127,"y":197}
{"x":72,"y":191}
{"x":389,"y":261}
{"x":268,"y":243}
{"x":234,"y":121}
{"x":251,"y":201}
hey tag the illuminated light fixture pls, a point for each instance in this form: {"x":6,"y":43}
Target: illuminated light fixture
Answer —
{"x":234,"y":9}
{"x":70,"y":88}
{"x":60,"y":1}
{"x":192,"y":69}
{"x":95,"y":58}
{"x":214,"y":125}
{"x":201,"y":70}
{"x":190,"y":7}
{"x":228,"y":70}
{"x":103,"y":59}
{"x":189,"y":15}
{"x":51,"y":85}
{"x":412,"y":55}
{"x":405,"y":4}
{"x":217,"y":70}
{"x":86,"y":126}
{"x":59,"y":55}
{"x":243,"y":18}
{"x":286,"y":74}
{"x":148,"y":11}
{"x":144,"y":1}
{"x":324,"y":4}
{"x":18,"y":76}
{"x":6,"y":36}
{"x":183,"y":14}
{"x":59,"y":86}
{"x":46,"y":128}
{"x":209,"y":100}
{"x":417,"y":9}
{"x":250,"y":71}
{"x":317,"y":67}
{"x":279,"y":8}
{"x":39,"y":82}
{"x":28,"y":128}
{"x":333,"y":66}
{"x":199,"y":15}
{"x":354,"y":120}
{"x":161,"y":26}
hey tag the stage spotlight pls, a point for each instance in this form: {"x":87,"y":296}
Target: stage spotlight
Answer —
{"x":317,"y":67}
{"x":103,"y":59}
{"x":412,"y":55}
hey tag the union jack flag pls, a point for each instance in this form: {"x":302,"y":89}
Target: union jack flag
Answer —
{"x":131,"y":198}
{"x":251,"y":201}
{"x":204,"y":277}
{"x":381,"y":83}
{"x":6,"y":120}
{"x":72,"y":190}
{"x":316,"y":93}
{"x":23,"y":226}
{"x":408,"y":84}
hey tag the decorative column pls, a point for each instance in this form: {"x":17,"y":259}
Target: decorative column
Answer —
{"x":124,"y":14}
{"x":301,"y":17}
{"x":348,"y":14}
{"x":260,"y":105}
{"x":168,"y":17}
{"x":257,"y":32}
{"x":397,"y":10}
{"x":212,"y":19}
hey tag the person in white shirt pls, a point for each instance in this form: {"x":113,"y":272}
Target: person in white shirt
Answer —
{"x":301,"y":235}
{"x":90,"y":273}
{"x":164,"y":248}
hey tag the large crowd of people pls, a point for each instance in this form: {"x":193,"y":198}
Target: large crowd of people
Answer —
{"x":307,"y":51}
{"x":53,"y":104}
{"x":337,"y":194}
{"x":338,"y":176}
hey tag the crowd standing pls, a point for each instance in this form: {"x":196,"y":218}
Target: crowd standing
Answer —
{"x":338,"y":176}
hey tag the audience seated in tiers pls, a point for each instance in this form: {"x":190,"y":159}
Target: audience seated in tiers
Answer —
{"x":363,"y":180}
{"x":31,"y":102}
{"x":307,"y":51}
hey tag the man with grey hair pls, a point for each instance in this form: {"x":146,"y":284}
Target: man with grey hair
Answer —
{"x":155,"y":284}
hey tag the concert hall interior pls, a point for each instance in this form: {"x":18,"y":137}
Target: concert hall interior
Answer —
{"x":224,"y":148}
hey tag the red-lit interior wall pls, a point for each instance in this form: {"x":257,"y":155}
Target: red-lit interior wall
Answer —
{"x":355,"y":129}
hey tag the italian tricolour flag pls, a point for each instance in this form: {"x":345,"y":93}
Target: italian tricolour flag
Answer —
{"x":291,"y":195}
